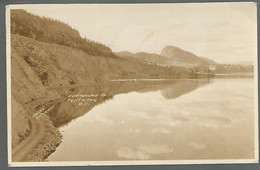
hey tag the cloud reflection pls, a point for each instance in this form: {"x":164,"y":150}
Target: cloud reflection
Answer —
{"x":143,"y":152}
{"x":129,"y":153}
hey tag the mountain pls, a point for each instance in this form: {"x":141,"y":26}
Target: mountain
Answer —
{"x":177,"y":54}
{"x":153,"y":58}
{"x":143,"y":57}
{"x":124,"y":54}
{"x":241,"y":63}
{"x":170,"y":56}
{"x":208,"y":60}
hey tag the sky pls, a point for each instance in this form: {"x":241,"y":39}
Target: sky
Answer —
{"x":223,"y":32}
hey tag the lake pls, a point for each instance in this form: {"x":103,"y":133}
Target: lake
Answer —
{"x":158,"y":120}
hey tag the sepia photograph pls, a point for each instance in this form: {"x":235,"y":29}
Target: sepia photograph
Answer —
{"x":132,"y":84}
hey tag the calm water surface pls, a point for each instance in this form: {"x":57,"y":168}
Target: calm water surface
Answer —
{"x":185,"y":119}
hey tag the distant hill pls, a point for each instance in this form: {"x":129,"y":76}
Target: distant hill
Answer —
{"x":143,"y":57}
{"x":209,"y":61}
{"x":124,"y":54}
{"x":242,"y":63}
{"x":177,"y":54}
{"x":170,"y":55}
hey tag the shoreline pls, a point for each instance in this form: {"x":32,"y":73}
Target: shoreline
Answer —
{"x":40,"y":142}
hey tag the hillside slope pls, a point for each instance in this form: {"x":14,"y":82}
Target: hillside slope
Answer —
{"x":53,"y":31}
{"x":177,"y":54}
{"x":143,"y":57}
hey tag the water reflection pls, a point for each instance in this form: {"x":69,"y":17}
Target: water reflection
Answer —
{"x":68,"y":109}
{"x":215,"y":121}
{"x":182,"y":87}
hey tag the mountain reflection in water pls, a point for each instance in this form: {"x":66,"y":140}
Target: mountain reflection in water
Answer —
{"x":160,"y":120}
{"x":180,"y":88}
{"x":66,"y":111}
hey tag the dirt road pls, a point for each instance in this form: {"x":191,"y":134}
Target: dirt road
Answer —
{"x":22,"y":149}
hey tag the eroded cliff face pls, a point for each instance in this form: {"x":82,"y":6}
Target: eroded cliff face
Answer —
{"x":19,"y":114}
{"x":56,"y":65}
